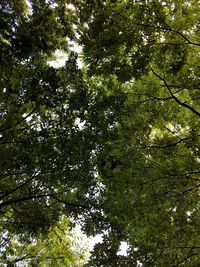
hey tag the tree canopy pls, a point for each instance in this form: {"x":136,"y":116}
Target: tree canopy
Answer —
{"x":115,"y":144}
{"x":59,"y":247}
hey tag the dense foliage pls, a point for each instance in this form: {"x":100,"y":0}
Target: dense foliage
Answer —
{"x":60,"y":247}
{"x":115,"y":145}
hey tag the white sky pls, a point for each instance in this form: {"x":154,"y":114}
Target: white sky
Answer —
{"x":91,"y":241}
{"x":62,"y":57}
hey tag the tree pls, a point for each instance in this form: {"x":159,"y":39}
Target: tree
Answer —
{"x":151,"y":173}
{"x":115,"y":145}
{"x":58,"y":248}
{"x":47,"y":159}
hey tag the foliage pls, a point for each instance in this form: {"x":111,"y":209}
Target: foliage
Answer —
{"x":47,"y":164}
{"x":115,"y":144}
{"x":151,"y":173}
{"x":58,"y":248}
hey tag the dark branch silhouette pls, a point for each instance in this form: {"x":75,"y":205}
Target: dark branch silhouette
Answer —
{"x":173,"y":96}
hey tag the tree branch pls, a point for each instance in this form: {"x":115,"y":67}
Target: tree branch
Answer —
{"x":167,"y":28}
{"x":23,"y":119}
{"x":152,"y":99}
{"x":19,"y":187}
{"x":51,"y":195}
{"x":17,"y":200}
{"x":71,"y":204}
{"x":166,"y":146}
{"x":174,"y":97}
{"x":189,"y":255}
